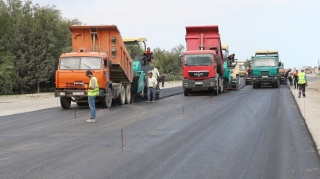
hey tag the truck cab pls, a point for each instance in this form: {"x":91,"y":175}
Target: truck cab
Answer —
{"x":202,"y":62}
{"x":265,"y":69}
{"x":230,"y":81}
{"x":101,"y":50}
{"x":242,"y":69}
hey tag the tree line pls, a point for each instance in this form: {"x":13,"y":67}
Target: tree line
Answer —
{"x":32,"y":37}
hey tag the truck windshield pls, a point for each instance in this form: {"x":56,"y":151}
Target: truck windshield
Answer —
{"x":135,"y":50}
{"x":242,"y":68}
{"x":80,"y":63}
{"x":198,"y":60}
{"x":264,"y":62}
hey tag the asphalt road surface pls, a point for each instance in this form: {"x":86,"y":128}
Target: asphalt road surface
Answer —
{"x":251,"y":133}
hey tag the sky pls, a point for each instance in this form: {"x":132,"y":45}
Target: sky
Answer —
{"x":290,"y":26}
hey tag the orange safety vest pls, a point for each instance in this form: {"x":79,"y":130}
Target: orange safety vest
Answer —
{"x":148,"y":54}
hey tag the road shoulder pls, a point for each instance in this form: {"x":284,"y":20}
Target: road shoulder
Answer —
{"x":310,"y":108}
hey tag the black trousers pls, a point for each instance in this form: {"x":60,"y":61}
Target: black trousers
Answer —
{"x":302,"y":88}
{"x":295,"y":83}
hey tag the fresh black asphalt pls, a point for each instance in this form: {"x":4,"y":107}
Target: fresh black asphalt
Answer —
{"x":250,"y":133}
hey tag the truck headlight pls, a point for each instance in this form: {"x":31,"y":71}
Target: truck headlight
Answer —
{"x":62,"y":93}
{"x":275,"y":77}
{"x":254,"y":78}
{"x":212,"y":83}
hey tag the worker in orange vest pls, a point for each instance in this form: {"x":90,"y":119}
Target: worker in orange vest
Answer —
{"x":249,"y":70}
{"x":148,"y":56}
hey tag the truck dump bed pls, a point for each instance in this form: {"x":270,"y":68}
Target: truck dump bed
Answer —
{"x":106,"y":39}
{"x":205,"y":38}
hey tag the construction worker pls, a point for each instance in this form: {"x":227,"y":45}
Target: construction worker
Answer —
{"x":93,"y":91}
{"x":155,"y":73}
{"x":148,"y":56}
{"x":295,"y":77}
{"x":290,"y":77}
{"x":151,"y":85}
{"x":163,"y":78}
{"x":249,"y":70}
{"x":286,"y":75}
{"x":302,"y":83}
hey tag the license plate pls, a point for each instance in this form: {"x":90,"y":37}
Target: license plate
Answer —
{"x":78,"y":93}
{"x":199,"y":83}
{"x":264,"y":76}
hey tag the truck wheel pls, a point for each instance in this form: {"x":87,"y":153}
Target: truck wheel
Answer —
{"x":107,"y":100}
{"x":221,"y":90}
{"x":128,"y":94}
{"x":216,"y":91}
{"x":65,"y":102}
{"x":254,"y":85}
{"x":122,"y":96}
{"x":186,"y":92}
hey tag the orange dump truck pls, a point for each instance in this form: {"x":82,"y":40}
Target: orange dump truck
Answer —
{"x":101,"y":50}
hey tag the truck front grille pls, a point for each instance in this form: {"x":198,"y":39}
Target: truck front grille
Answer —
{"x":264,"y":73}
{"x":198,"y":74}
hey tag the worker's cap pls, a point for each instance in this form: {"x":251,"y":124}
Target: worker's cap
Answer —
{"x":88,"y":72}
{"x":150,"y":72}
{"x":302,"y":70}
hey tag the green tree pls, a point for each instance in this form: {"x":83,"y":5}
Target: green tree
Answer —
{"x":167,"y":61}
{"x":7,"y":73}
{"x":36,"y":36}
{"x":247,"y":62}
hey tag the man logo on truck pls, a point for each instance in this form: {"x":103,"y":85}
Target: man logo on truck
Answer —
{"x":198,"y":74}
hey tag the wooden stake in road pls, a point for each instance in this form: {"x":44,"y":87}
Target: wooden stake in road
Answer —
{"x":182,"y":112}
{"x":122,"y":138}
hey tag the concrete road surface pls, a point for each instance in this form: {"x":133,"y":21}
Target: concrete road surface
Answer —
{"x":251,"y":133}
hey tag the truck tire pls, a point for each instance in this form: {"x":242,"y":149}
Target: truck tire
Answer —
{"x":65,"y":102}
{"x":135,"y":84}
{"x":216,"y":91}
{"x":186,"y":92}
{"x":221,"y":87}
{"x":122,"y":96}
{"x":107,"y":99}
{"x":128,"y":94}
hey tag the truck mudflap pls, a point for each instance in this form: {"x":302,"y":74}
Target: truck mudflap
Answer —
{"x":199,"y":84}
{"x":75,"y":93}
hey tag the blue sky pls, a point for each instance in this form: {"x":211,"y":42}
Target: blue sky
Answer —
{"x":290,"y":26}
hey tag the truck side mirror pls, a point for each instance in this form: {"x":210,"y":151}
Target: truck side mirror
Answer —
{"x":179,"y":60}
{"x":279,"y":64}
